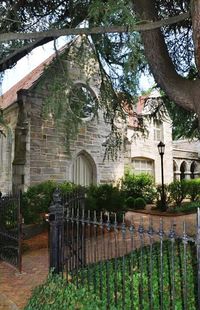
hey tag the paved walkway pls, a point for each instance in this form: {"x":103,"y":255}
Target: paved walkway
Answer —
{"x":6,"y":304}
{"x":191,"y":221}
{"x":18,"y":287}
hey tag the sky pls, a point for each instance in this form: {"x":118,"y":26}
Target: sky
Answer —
{"x":28,"y":63}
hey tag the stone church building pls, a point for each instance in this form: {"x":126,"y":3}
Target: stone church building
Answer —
{"x":33,"y":151}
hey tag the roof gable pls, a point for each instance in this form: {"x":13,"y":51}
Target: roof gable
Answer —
{"x":9,"y":97}
{"x":27,"y":82}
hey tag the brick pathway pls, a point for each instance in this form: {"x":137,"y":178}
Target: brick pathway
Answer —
{"x":18,"y":287}
{"x":6,"y":304}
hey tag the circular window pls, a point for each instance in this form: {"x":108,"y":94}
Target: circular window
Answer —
{"x":83,"y":101}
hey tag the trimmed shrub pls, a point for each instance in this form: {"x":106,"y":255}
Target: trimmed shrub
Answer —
{"x":178,"y":191}
{"x":130,"y":203}
{"x":186,"y":207}
{"x":140,"y":203}
{"x":141,"y":185}
{"x":105,"y":197}
{"x":37,"y":199}
{"x":193,"y":189}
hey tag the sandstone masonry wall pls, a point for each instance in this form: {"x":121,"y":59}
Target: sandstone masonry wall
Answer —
{"x":147,"y":148}
{"x":49,"y":159}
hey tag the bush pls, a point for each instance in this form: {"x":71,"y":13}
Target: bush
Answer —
{"x":130,"y":203}
{"x":105,"y":197}
{"x":193,"y":189}
{"x":186,"y":207}
{"x":178,"y":191}
{"x":140,"y":203}
{"x":55,"y":294}
{"x":37,"y":199}
{"x":141,"y":185}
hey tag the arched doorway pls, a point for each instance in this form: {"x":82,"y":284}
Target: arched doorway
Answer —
{"x":183,"y":169}
{"x":84,"y":170}
{"x":193,"y":169}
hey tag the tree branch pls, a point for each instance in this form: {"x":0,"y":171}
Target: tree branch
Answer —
{"x":11,"y":59}
{"x":142,"y":26}
{"x":178,"y":89}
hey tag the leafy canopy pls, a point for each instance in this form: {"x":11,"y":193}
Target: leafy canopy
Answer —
{"x":120,"y":55}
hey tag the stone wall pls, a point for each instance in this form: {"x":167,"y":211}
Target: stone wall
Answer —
{"x":49,"y":159}
{"x":7,"y":150}
{"x":185,"y":155}
{"x":147,"y":148}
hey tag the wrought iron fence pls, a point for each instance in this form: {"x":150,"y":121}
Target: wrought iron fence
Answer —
{"x":141,"y":265}
{"x":10,"y":230}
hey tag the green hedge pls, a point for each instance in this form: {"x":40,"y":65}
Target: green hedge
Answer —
{"x":37,"y":199}
{"x":193,"y":189}
{"x":141,"y":185}
{"x":130,"y":203}
{"x":178,"y":190}
{"x":105,"y":197}
{"x":102,"y":198}
{"x":135,"y":204}
{"x":139,"y":204}
{"x":186,"y":207}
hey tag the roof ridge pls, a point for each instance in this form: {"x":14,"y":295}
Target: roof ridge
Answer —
{"x":10,"y":96}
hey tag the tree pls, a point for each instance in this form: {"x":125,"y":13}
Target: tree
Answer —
{"x":166,"y":32}
{"x":167,"y":66}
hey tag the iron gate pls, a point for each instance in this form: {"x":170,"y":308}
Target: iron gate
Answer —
{"x":67,"y":237}
{"x":74,"y":232}
{"x":126,"y":264}
{"x":11,"y":230}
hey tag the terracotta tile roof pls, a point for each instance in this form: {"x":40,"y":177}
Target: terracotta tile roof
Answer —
{"x":10,"y":96}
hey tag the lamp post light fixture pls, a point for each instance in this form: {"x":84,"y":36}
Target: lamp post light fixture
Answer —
{"x":161,"y":150}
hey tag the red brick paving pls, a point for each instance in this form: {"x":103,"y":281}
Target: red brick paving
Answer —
{"x":18,"y":287}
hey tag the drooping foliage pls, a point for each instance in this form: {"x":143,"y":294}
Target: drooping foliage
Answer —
{"x":170,"y":52}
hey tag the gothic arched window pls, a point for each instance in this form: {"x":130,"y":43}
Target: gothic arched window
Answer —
{"x":83,"y":172}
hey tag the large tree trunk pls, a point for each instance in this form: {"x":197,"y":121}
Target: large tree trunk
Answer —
{"x":195,"y":10}
{"x":183,"y":92}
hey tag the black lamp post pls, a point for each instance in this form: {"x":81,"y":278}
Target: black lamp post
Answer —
{"x":161,"y":150}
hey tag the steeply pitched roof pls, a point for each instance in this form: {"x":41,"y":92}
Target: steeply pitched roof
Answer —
{"x":11,"y":95}
{"x":28,"y":81}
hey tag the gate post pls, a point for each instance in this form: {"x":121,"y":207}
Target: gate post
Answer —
{"x":56,"y":233}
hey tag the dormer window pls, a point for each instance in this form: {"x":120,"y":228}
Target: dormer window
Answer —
{"x":158,"y":130}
